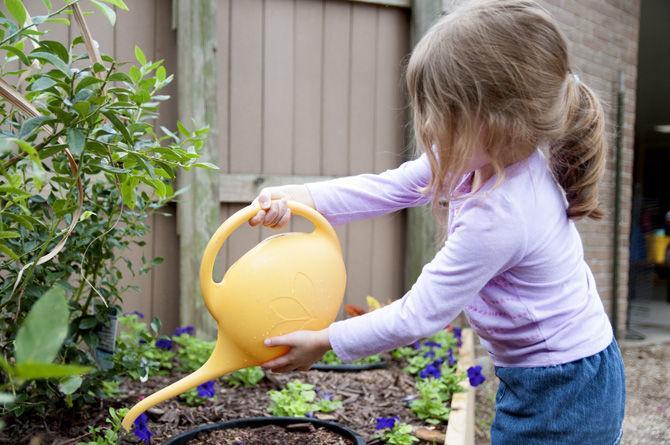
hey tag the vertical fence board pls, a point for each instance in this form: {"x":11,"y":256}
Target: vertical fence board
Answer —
{"x":361,"y":142}
{"x":387,"y":246}
{"x":246,"y":104}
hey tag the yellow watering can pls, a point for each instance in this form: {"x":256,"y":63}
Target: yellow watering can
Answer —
{"x":288,"y":282}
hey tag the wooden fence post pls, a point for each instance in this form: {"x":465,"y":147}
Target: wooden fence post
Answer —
{"x":199,"y":207}
{"x":421,"y":234}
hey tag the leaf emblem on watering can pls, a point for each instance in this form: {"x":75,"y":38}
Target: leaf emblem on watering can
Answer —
{"x":289,"y":310}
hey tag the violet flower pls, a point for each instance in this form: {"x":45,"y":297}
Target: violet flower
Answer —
{"x":386,"y":422}
{"x":429,"y":354}
{"x":475,"y":375}
{"x":141,"y":429}
{"x":430,"y":371}
{"x":207,"y":389}
{"x":457,"y":335}
{"x":416,"y":345}
{"x":164,"y":343}
{"x":188,"y":330}
{"x":432,"y":344}
{"x":450,"y":357}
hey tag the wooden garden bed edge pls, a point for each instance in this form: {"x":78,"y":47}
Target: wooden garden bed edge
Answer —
{"x":461,"y":426}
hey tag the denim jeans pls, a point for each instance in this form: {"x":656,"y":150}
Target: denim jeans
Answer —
{"x":580,"y":402}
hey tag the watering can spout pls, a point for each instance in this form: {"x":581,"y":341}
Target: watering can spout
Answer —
{"x":225,"y":359}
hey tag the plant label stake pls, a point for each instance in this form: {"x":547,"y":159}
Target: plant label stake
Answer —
{"x":288,"y":282}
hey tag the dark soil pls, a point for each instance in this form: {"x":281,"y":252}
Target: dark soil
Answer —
{"x":365,"y":395}
{"x":296,"y":434}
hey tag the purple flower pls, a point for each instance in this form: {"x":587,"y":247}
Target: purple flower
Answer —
{"x":136,"y":313}
{"x":450,"y":357}
{"x":188,"y":330}
{"x":164,"y":343}
{"x":438,"y":362}
{"x":416,"y":345}
{"x":207,"y":389}
{"x":386,"y":422}
{"x":310,"y":414}
{"x":431,"y":371}
{"x":327,"y":395}
{"x":432,"y":344}
{"x":475,"y":375}
{"x":429,"y":354}
{"x":141,"y":430}
{"x":457,"y":336}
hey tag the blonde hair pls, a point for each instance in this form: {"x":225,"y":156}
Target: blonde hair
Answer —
{"x":495,"y":74}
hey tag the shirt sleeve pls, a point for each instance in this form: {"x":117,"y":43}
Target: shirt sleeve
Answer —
{"x":353,"y":198}
{"x":486,"y":240}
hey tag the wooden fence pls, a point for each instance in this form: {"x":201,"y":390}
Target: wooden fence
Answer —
{"x":305,"y":90}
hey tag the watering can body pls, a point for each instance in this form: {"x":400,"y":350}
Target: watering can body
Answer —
{"x":288,"y":282}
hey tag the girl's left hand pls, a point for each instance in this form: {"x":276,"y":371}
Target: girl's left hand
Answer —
{"x":306,"y":347}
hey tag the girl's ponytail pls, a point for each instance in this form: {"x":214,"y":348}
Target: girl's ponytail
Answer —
{"x":577,"y":157}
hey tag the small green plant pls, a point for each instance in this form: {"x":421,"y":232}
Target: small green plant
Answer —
{"x":431,"y":404}
{"x":110,"y":388}
{"x":330,"y":358}
{"x":245,"y":377}
{"x":198,"y":396}
{"x":136,"y":353}
{"x":393,"y":432}
{"x":299,"y":399}
{"x":107,"y":435}
{"x":192,"y":352}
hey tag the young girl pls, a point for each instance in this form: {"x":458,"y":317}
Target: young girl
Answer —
{"x":514,"y":143}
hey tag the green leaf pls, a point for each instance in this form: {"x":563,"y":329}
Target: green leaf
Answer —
{"x":119,"y":126}
{"x":106,"y":10}
{"x":206,"y":165}
{"x":70,"y":385}
{"x":139,"y":55}
{"x":88,"y":322}
{"x":118,"y":3}
{"x":17,"y":52}
{"x":29,"y":149}
{"x":17,"y":10}
{"x":76,"y":140}
{"x":48,"y":5}
{"x":9,"y":252}
{"x":160,"y":74}
{"x":52,"y":59}
{"x":120,"y":77}
{"x":32,"y":371}
{"x":44,"y":329}
{"x":5,"y":234}
{"x":55,"y":47}
{"x":30,"y":125}
{"x":42,"y":83}
{"x":155,"y":325}
{"x":6,"y":398}
{"x":59,"y":20}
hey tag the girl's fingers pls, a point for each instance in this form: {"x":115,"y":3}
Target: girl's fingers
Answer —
{"x":283,"y":222}
{"x":281,"y":340}
{"x":257,"y":219}
{"x":265,"y":198}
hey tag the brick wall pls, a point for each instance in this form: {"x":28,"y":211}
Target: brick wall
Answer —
{"x":603,"y":37}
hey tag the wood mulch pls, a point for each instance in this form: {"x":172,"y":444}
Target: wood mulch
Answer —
{"x":365,"y":395}
{"x":271,"y":435}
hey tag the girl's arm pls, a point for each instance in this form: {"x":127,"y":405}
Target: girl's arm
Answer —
{"x":488,"y":238}
{"x":352,"y":198}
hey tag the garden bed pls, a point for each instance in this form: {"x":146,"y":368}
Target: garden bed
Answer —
{"x":366,"y":396}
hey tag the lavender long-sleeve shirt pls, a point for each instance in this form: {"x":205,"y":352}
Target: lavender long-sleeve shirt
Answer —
{"x":513,"y":262}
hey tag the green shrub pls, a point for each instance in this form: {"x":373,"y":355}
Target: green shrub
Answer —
{"x":136,"y":353}
{"x":245,"y":377}
{"x":192,"y":352}
{"x":105,"y":114}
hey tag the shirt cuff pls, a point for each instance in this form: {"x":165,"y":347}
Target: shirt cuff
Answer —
{"x":337,"y":342}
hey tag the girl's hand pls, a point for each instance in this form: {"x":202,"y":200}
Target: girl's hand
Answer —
{"x":307,"y":347}
{"x":274,"y":209}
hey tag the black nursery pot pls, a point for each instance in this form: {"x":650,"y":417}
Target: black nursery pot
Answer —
{"x":257,"y":422}
{"x":350,"y":367}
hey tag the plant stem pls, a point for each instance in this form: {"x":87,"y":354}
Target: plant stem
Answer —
{"x":30,"y":25}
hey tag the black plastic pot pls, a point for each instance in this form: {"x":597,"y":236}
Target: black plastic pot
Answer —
{"x":256,"y":422}
{"x":350,"y":367}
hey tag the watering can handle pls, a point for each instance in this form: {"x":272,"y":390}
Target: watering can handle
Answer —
{"x":236,"y":220}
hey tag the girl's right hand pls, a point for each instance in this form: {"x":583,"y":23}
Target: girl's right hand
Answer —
{"x":274,"y":211}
